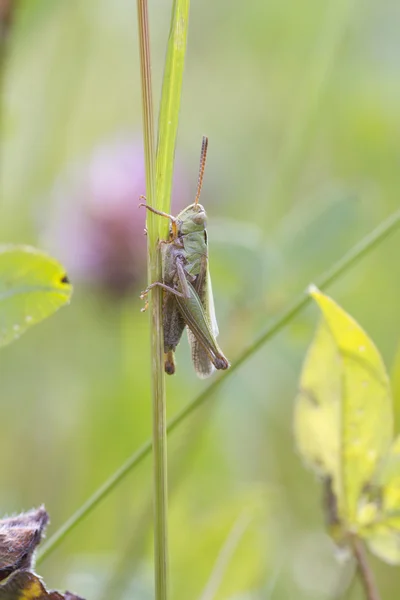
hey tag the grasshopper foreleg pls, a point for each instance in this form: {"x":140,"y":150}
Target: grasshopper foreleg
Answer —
{"x":162,"y":214}
{"x":171,"y":290}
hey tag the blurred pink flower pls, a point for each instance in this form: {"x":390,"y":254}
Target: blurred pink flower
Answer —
{"x":95,"y":226}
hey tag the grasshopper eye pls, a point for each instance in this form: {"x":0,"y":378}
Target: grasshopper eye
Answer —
{"x":200,"y":218}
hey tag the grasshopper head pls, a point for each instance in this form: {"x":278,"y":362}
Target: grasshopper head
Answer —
{"x":193,"y":218}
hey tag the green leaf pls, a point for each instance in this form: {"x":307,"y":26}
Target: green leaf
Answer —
{"x":32,"y":287}
{"x":343,"y":418}
{"x":169,"y":108}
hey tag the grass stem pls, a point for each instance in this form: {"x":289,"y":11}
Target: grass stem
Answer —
{"x":159,"y":445}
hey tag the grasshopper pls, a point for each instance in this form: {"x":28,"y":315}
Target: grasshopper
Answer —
{"x":187,"y":294}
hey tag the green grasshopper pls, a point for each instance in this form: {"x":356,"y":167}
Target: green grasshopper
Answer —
{"x":187,"y":293}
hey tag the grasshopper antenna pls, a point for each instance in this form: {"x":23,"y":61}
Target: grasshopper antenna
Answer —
{"x":203,"y":157}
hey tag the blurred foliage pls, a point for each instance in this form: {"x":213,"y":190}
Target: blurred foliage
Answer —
{"x":71,"y":85}
{"x":32,"y":287}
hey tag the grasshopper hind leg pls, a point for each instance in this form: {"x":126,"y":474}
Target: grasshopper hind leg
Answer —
{"x":169,"y":363}
{"x":173,"y":325}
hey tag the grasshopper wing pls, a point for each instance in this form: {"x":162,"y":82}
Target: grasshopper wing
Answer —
{"x":202,"y":330}
{"x":200,"y":358}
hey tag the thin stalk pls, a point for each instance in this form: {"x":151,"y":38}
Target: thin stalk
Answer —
{"x":225,"y":556}
{"x":361,"y":249}
{"x":7,"y":8}
{"x":156,"y":328}
{"x":364,"y":569}
{"x":6,"y":14}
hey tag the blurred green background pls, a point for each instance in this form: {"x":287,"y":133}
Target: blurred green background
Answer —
{"x":300,"y":101}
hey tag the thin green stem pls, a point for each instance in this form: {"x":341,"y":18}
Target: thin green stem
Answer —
{"x":361,"y":249}
{"x":160,"y":473}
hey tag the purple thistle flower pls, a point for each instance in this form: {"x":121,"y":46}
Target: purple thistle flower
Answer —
{"x":95,"y":226}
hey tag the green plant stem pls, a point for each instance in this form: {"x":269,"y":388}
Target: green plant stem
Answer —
{"x":362,"y":248}
{"x":160,"y":473}
{"x":364,"y":569}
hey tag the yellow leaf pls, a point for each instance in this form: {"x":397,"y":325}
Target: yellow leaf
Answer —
{"x":395,"y":377}
{"x":343,"y":417}
{"x":385,"y":543}
{"x":318,"y":408}
{"x":381,"y":501}
{"x":387,"y":479}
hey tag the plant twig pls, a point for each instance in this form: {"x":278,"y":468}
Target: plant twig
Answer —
{"x":157,"y":341}
{"x":361,"y":249}
{"x":364,"y":569}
